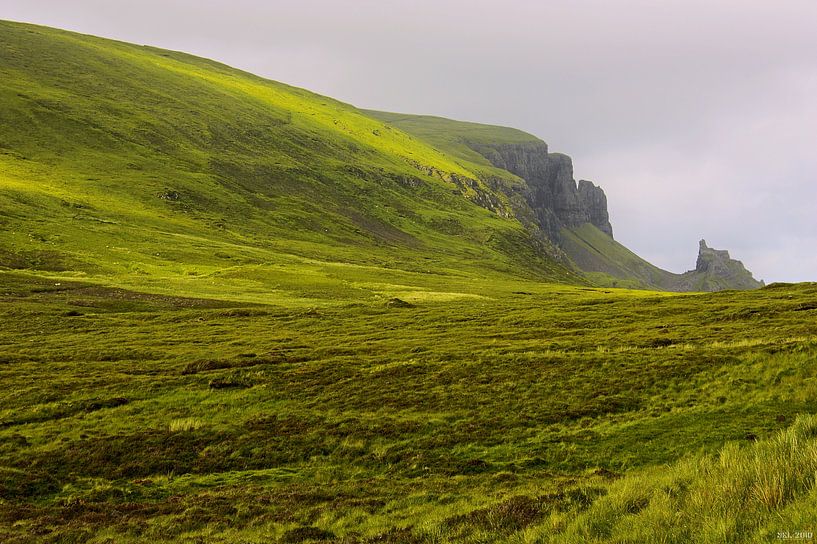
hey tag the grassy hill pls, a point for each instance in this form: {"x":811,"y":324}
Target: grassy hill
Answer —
{"x":461,"y":140}
{"x":235,"y":311}
{"x":136,"y":163}
{"x":453,"y":137}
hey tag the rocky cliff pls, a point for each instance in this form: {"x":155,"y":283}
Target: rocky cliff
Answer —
{"x":594,"y":201}
{"x":716,"y":270}
{"x":552,"y":192}
{"x":564,"y":209}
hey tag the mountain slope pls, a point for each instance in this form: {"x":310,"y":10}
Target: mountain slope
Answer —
{"x":548,"y":200}
{"x":134,"y":162}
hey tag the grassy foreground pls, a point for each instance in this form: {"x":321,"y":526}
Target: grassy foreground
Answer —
{"x":494,"y":411}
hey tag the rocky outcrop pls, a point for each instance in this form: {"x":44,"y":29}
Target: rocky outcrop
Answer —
{"x":715,"y":261}
{"x":594,"y":201}
{"x":552,"y":192}
{"x":716,"y":270}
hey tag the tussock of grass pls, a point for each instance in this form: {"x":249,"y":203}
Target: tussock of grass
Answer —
{"x":735,"y":495}
{"x":185,"y":424}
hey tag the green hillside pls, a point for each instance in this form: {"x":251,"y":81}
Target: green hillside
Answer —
{"x":608,"y":261}
{"x":453,"y":138}
{"x":136,"y":163}
{"x":233,"y":311}
{"x":460,"y":140}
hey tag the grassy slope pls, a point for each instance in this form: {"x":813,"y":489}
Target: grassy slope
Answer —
{"x":127,"y":162}
{"x":286,"y":398}
{"x":453,"y":136}
{"x":608,"y":261}
{"x":458,"y":138}
{"x":762,"y":493}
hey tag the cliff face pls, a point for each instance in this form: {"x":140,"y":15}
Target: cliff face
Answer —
{"x":553,"y":195}
{"x":594,"y":201}
{"x":563,"y":210}
{"x":716,"y":261}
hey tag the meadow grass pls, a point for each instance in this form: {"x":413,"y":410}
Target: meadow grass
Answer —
{"x":529,"y":413}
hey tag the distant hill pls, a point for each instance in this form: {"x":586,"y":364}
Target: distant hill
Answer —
{"x":554,"y":206}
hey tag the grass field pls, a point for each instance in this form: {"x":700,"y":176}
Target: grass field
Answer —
{"x":514,"y":411}
{"x":236,"y":311}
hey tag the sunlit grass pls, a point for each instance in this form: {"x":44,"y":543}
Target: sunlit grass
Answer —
{"x":452,"y":420}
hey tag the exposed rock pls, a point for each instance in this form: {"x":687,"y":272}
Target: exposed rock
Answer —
{"x":398,"y":303}
{"x":552,"y":194}
{"x":711,"y":260}
{"x":170,"y":195}
{"x":594,"y":201}
{"x":716,"y":270}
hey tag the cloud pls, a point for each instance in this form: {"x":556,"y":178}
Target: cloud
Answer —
{"x":697,"y":117}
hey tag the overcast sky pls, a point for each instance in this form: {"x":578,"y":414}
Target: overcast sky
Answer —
{"x":698,"y":118}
